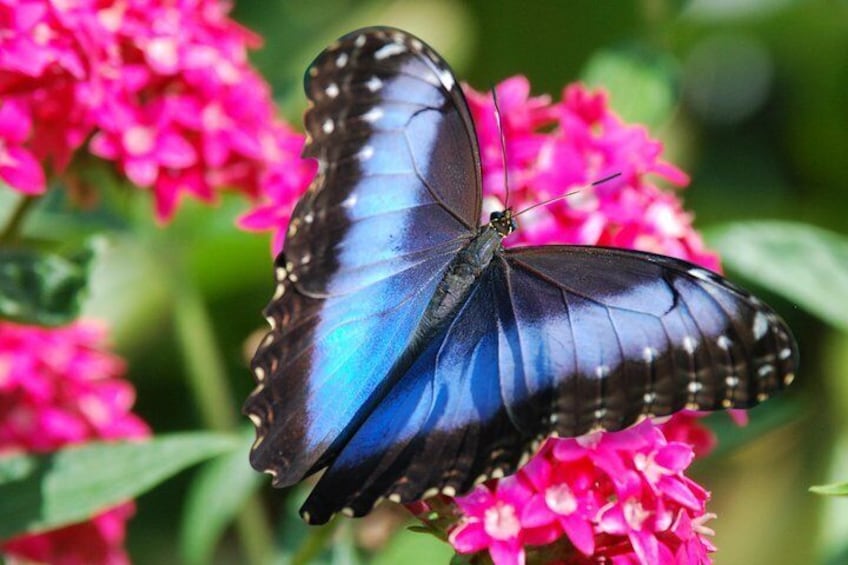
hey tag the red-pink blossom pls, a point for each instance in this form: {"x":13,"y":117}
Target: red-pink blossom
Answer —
{"x":60,"y":386}
{"x":553,"y":148}
{"x":162,"y":89}
{"x":621,"y":496}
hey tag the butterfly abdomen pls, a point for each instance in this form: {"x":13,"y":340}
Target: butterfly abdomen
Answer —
{"x":459,"y":280}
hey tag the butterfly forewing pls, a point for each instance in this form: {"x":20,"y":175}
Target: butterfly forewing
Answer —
{"x":366,"y":245}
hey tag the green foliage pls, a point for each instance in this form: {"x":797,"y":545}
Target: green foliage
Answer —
{"x":805,"y":264}
{"x":641,"y":83}
{"x":216,"y":494}
{"x":42,"y":288}
{"x":72,"y":484}
{"x":835,"y":489}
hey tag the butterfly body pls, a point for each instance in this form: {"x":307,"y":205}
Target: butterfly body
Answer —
{"x":410,"y":353}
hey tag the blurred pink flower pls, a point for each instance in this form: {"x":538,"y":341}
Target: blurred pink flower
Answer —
{"x":553,"y":148}
{"x":59,"y":386}
{"x":163,"y":89}
{"x":284,"y":183}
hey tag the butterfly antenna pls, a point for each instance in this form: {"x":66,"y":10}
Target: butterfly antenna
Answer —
{"x":566,"y":195}
{"x":503,"y":144}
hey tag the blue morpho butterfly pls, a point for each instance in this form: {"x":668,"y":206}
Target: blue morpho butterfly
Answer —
{"x":411,"y":354}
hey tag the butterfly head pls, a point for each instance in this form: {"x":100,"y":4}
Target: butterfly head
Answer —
{"x":503,"y":222}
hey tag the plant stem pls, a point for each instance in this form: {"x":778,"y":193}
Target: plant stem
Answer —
{"x":315,"y":542}
{"x":10,"y":231}
{"x":208,"y":380}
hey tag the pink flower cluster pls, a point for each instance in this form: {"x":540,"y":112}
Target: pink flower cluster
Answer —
{"x":555,"y":148}
{"x":163,"y":89}
{"x":618,"y":498}
{"x":59,"y":386}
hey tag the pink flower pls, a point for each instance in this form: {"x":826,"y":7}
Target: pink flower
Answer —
{"x":59,"y":386}
{"x":282,"y":185}
{"x":492,"y":521}
{"x":163,"y":89}
{"x":621,"y":496}
{"x":555,"y":148}
{"x":18,"y":166}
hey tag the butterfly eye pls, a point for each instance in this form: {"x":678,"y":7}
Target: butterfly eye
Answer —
{"x":495,"y":216}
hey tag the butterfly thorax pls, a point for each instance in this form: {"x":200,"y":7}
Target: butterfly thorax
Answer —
{"x":462,"y":274}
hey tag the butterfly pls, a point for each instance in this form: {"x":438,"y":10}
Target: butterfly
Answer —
{"x":411,"y":354}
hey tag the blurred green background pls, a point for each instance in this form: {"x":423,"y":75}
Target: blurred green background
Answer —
{"x":750,"y":97}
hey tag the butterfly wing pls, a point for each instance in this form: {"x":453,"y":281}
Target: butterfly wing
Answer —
{"x":397,"y":194}
{"x":557,"y":340}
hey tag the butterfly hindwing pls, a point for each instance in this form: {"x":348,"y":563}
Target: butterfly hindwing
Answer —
{"x":366,"y":245}
{"x":560,"y":340}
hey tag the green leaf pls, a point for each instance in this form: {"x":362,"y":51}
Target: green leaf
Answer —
{"x":217,"y":493}
{"x":71,"y":485}
{"x":805,"y":264}
{"x":641,"y":83}
{"x":42,"y":288}
{"x":835,"y":489}
{"x":408,"y":546}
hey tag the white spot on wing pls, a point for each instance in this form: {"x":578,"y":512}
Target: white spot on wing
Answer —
{"x":785,"y":353}
{"x":760,"y":325}
{"x":349,"y":202}
{"x":723,"y":342}
{"x":689,"y":344}
{"x":328,"y":126}
{"x":373,"y":115}
{"x":341,"y":60}
{"x":701,"y":274}
{"x":446,"y":78}
{"x":374,"y":84}
{"x":360,"y":40}
{"x":365,"y":153}
{"x":332,"y":90}
{"x":389,"y":50}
